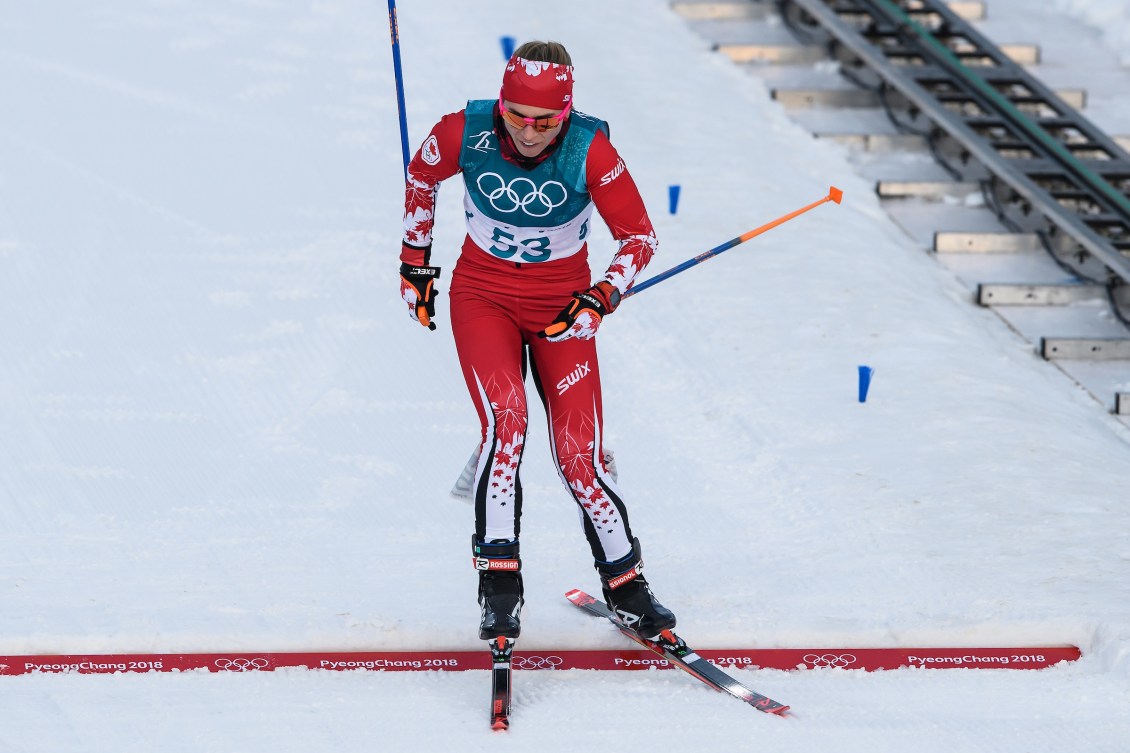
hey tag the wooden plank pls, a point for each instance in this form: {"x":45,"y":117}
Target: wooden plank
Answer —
{"x":1022,"y":54}
{"x":926,"y":189}
{"x":985,"y":243}
{"x":781,"y":54}
{"x":878,"y":142}
{"x":803,"y":98}
{"x":970,"y":10}
{"x":1085,"y":349}
{"x":705,"y":10}
{"x":1012,"y":294}
{"x":1076,"y":98}
{"x":723,"y":11}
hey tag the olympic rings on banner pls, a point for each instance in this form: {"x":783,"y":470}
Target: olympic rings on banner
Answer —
{"x":241,"y":664}
{"x":829,"y":660}
{"x":536,"y":662}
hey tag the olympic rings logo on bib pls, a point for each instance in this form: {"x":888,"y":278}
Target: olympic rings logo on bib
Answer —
{"x":522,"y":193}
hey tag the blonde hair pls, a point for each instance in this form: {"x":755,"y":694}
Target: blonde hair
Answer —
{"x":544,"y":52}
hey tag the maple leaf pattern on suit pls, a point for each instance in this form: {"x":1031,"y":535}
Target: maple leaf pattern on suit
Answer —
{"x":574,"y":440}
{"x":634,"y":254}
{"x":410,"y":296}
{"x":508,"y":408}
{"x":419,"y":210}
{"x":584,"y":328}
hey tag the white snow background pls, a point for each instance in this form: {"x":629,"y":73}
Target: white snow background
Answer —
{"x":220,"y":431}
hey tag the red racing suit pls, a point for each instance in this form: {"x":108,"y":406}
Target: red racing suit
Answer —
{"x":520,"y":264}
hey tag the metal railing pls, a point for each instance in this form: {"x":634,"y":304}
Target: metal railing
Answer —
{"x":1043,"y":167}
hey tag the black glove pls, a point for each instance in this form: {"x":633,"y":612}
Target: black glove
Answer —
{"x":417,"y":288}
{"x":583,"y":315}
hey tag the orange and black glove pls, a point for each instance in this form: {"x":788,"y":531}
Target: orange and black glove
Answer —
{"x":583,"y":315}
{"x":418,"y":289}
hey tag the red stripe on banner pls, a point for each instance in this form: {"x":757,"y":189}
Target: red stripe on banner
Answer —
{"x":867,"y":659}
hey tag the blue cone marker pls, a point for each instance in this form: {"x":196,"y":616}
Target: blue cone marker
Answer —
{"x":507,"y":46}
{"x":673,"y":198}
{"x":865,"y":373}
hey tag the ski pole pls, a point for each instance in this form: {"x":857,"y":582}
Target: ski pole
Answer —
{"x":394,"y":30}
{"x":834,"y":194}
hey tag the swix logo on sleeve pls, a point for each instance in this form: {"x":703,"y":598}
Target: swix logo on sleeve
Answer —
{"x":614,"y":173}
{"x":575,"y":376}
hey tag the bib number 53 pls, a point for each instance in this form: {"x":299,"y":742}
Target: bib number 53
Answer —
{"x":533,"y":249}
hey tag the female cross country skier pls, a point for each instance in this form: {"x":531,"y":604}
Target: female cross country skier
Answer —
{"x":521,"y":296}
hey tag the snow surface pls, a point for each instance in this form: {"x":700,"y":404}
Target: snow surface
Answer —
{"x":1110,"y":17}
{"x":222,"y":431}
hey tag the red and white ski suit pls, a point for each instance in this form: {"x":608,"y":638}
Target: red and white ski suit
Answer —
{"x":498,"y":307}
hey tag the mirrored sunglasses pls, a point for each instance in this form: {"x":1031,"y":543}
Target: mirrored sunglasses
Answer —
{"x":541,"y":125}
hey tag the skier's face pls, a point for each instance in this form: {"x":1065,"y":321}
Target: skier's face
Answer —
{"x":529,"y":141}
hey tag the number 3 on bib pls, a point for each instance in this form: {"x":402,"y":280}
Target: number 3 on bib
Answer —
{"x":537,"y":249}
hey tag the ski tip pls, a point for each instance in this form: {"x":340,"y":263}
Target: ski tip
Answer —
{"x":579,"y":597}
{"x":780,"y":711}
{"x":500,"y":724}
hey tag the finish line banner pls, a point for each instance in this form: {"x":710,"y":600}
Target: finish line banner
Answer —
{"x":866,"y":659}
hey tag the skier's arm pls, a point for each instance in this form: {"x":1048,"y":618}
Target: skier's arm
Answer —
{"x":620,"y":204}
{"x":435,"y":161}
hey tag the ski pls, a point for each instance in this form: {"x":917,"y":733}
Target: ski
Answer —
{"x":675,"y":650}
{"x":501,"y":650}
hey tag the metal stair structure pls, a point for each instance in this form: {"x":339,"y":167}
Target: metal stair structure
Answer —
{"x":1058,"y":185}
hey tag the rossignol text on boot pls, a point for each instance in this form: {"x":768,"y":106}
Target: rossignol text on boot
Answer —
{"x":629,"y":595}
{"x":500,"y":587}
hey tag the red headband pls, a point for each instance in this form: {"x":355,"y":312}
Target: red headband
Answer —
{"x":536,"y":84}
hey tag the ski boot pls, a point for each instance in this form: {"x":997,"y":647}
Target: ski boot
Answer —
{"x":500,"y":588}
{"x":629,"y":596}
